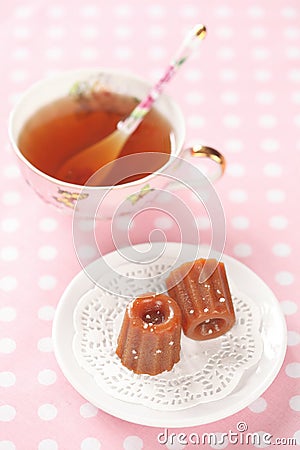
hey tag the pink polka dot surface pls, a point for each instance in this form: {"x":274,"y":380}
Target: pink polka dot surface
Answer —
{"x":239,"y":93}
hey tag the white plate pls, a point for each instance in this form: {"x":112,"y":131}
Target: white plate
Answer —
{"x":251,"y":386}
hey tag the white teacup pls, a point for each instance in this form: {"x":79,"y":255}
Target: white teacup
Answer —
{"x":66,"y":196}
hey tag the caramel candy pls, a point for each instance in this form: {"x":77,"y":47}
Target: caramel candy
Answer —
{"x":149,"y":340}
{"x":206,"y":307}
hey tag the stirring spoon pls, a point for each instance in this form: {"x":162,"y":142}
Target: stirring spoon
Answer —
{"x":109,"y":148}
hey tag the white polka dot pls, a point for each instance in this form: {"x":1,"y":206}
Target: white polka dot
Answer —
{"x":88,"y":410}
{"x":293,"y":338}
{"x":192,"y":75}
{"x":195,"y":121}
{"x":47,"y":377}
{"x":263,"y":439}
{"x":275,"y":195}
{"x":294,"y":75}
{"x":47,"y":282}
{"x":89,"y":32}
{"x":90,"y":443}
{"x":267,"y":121}
{"x":223,"y":11}
{"x":19,"y":75}
{"x":235,"y":169}
{"x":11,"y":171}
{"x":164,"y":223}
{"x":194,"y":98}
{"x":48,"y":444}
{"x":234,"y":145}
{"x":56,"y":12}
{"x":133,"y":443}
{"x":278,"y":222}
{"x":281,"y":249}
{"x":48,"y":224}
{"x":8,"y":283}
{"x":46,"y":312}
{"x":265,"y":97}
{"x":123,"y":10}
{"x":262,"y":75}
{"x":258,"y":32}
{"x":20,"y":54}
{"x":56,"y":32}
{"x":297,"y":437}
{"x":189,"y":11}
{"x":226,"y":53}
{"x":203,"y":223}
{"x":122,"y":31}
{"x":7,"y":314}
{"x":156,"y":11}
{"x":10,"y":225}
{"x":240,"y":222}
{"x":284,"y":278}
{"x":7,"y":379}
{"x":260,"y":53}
{"x":89,"y":53}
{"x":7,"y":413}
{"x":224,"y":32}
{"x":242,"y":250}
{"x":23,"y":12}
{"x":232,"y":121}
{"x":86,"y":251}
{"x":11,"y":198}
{"x":238,"y":195}
{"x":292,"y":53}
{"x":258,"y":405}
{"x":21,"y":32}
{"x":7,"y":345}
{"x":293,"y":370}
{"x":295,"y":403}
{"x":272,"y":170}
{"x":156,"y":53}
{"x":47,"y":411}
{"x":7,"y":445}
{"x":291,"y":32}
{"x":9,"y":253}
{"x":219,"y":441}
{"x":228,"y":75}
{"x":288,"y":307}
{"x":269,"y":145}
{"x":289,"y":13}
{"x":123,"y":52}
{"x":256,"y":12}
{"x":53,"y":53}
{"x":47,"y":252}
{"x":230,"y":97}
{"x":45,"y":345}
{"x":89,"y":11}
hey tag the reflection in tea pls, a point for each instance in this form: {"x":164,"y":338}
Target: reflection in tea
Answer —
{"x":68,"y":125}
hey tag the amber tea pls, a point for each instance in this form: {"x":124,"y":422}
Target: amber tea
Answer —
{"x":68,"y":125}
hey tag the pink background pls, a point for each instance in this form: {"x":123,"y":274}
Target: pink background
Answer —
{"x":241,"y":94}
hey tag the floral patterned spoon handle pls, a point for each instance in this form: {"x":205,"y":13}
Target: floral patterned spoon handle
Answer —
{"x":129,"y":125}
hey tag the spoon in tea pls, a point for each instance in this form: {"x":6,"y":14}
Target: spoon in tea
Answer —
{"x":109,"y":148}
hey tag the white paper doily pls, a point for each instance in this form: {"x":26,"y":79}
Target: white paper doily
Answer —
{"x":207,"y":370}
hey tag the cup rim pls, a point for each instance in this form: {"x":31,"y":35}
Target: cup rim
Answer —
{"x":91,"y":71}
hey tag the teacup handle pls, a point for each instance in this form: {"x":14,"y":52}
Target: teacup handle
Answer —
{"x":203,"y":151}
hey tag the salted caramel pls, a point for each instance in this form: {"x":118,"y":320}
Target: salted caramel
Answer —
{"x":206,"y":306}
{"x":149,"y":340}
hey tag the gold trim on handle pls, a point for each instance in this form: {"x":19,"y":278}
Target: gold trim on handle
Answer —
{"x":202,"y":151}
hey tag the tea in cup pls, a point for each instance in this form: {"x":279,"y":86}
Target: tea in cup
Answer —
{"x":65,"y":114}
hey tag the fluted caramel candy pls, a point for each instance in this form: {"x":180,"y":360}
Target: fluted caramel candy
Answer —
{"x":149,"y":340}
{"x":206,"y":307}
